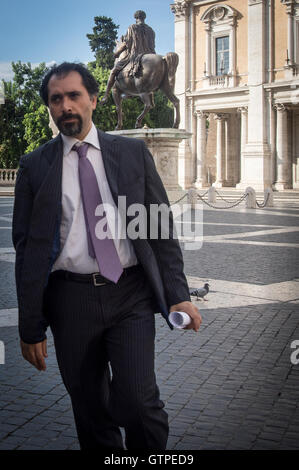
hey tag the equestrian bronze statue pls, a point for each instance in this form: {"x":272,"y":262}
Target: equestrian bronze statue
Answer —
{"x":139,"y":71}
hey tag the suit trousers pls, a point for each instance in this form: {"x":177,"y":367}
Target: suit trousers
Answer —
{"x":94,"y":326}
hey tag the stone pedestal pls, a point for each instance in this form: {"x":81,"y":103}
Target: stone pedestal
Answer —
{"x":52,"y":125}
{"x":164,"y":146}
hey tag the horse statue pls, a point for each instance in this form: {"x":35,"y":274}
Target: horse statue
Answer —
{"x":155,"y":72}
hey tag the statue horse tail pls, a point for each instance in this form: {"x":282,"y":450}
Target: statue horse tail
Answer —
{"x":172,"y":61}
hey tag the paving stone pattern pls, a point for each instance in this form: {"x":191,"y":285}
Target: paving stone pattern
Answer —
{"x":231,"y":386}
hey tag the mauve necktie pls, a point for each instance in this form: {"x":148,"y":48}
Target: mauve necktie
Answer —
{"x":103,"y":250}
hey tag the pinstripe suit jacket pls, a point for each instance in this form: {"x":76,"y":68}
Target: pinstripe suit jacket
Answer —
{"x":131,"y":172}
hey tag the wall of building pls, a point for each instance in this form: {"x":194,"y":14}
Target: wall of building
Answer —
{"x":260,"y":146}
{"x":241,"y":39}
{"x":199,"y":45}
{"x":280,"y":39}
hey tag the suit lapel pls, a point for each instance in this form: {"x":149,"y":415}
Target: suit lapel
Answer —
{"x":109,"y":147}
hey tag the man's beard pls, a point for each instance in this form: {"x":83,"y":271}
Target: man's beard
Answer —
{"x":70,"y":128}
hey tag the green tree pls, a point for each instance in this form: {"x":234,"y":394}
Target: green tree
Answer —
{"x":36,"y":125}
{"x":27,"y":81}
{"x":103,"y":116}
{"x":35,"y":115}
{"x":162,"y":115}
{"x":12,"y":144}
{"x":23,"y":118}
{"x":102,"y":41}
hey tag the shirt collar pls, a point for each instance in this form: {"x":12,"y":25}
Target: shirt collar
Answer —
{"x":91,"y":138}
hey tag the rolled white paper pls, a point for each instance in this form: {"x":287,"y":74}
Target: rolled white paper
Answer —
{"x":179,"y":319}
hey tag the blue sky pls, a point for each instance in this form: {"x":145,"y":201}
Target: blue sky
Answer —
{"x":55,"y":30}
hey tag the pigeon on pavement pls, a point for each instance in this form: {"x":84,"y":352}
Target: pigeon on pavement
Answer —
{"x":201,"y":292}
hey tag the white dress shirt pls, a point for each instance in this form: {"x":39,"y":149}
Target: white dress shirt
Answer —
{"x":74,"y":254}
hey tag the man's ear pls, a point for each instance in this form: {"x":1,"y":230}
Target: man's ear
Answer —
{"x":94,"y":100}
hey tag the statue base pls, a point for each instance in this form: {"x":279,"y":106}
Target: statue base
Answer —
{"x":164,"y":146}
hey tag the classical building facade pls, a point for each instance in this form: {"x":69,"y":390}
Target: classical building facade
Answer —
{"x":238,"y":84}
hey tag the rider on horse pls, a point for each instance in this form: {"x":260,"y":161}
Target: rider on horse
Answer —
{"x":139,"y":40}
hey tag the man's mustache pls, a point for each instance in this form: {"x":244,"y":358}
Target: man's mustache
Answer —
{"x":64,"y":117}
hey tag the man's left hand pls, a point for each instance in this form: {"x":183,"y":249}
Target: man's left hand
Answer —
{"x":192,"y":311}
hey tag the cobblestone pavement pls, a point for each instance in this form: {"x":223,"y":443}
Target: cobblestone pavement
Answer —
{"x":232,"y":385}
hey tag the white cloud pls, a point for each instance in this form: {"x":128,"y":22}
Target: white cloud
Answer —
{"x":52,"y":62}
{"x":6,"y":72}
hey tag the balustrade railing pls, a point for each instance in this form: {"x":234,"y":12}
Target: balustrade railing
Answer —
{"x":8,"y":177}
{"x":221,"y":80}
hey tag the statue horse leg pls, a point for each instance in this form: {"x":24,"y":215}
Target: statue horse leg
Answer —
{"x":117,"y":98}
{"x":167,"y":90}
{"x":147,"y":99}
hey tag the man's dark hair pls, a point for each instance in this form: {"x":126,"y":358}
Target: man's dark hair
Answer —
{"x":64,"y":69}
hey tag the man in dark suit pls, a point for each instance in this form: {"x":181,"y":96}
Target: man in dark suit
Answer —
{"x":96,"y":318}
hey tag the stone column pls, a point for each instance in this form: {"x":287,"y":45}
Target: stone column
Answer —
{"x":208,"y":49}
{"x":201,"y":145}
{"x":226,"y":153}
{"x":186,"y":162}
{"x":182,"y":46}
{"x":282,"y":162}
{"x":290,"y":13}
{"x":272,"y":113}
{"x":257,"y":155}
{"x":244,"y":126}
{"x":208,"y":65}
{"x":220,"y":151}
{"x":181,"y":10}
{"x":191,"y":48}
{"x":232,"y":59}
{"x":290,"y":60}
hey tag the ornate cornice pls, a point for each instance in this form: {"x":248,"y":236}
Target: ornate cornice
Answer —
{"x":180,"y":8}
{"x":220,"y":14}
{"x":220,"y":116}
{"x":290,"y":4}
{"x":201,"y":114}
{"x":280,"y":107}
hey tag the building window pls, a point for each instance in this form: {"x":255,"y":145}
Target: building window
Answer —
{"x":220,"y":26}
{"x":222,"y":55}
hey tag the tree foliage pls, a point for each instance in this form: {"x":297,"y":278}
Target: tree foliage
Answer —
{"x":102,"y":41}
{"x":12,"y":144}
{"x":36,"y":125}
{"x":162,"y":115}
{"x":103,"y":116}
{"x":27,"y":81}
{"x":23,"y":117}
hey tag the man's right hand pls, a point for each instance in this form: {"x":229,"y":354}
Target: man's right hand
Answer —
{"x":35,"y":353}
